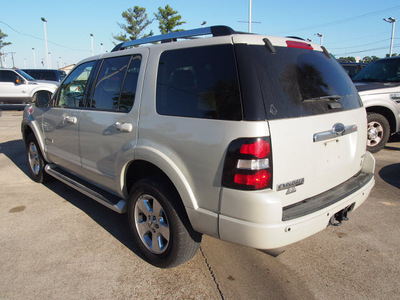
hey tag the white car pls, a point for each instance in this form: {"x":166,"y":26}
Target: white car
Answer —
{"x":379,"y":87}
{"x":17,"y":87}
{"x":252,"y":139}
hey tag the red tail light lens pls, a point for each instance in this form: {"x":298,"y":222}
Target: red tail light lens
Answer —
{"x":301,"y":45}
{"x":259,"y":180}
{"x":248,"y":164}
{"x":259,"y":149}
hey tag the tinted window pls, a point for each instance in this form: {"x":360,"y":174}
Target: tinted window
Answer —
{"x":72,"y":91}
{"x":8,"y":76}
{"x":108,"y":86}
{"x":199,"y":82}
{"x":293,"y":82}
{"x":385,"y":70}
{"x":129,"y":89}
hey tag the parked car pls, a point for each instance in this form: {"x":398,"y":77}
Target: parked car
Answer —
{"x":352,"y":68}
{"x":17,"y":87}
{"x":46,"y":74}
{"x":379,"y":87}
{"x":256,"y":140}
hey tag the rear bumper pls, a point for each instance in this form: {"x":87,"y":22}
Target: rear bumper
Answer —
{"x":265,"y":225}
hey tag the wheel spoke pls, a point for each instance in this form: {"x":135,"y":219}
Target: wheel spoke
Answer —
{"x":164,"y":230}
{"x":144,"y":206}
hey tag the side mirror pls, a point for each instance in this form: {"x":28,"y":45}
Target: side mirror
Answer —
{"x":42,"y":99}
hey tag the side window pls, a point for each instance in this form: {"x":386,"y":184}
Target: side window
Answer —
{"x":129,"y":89}
{"x":107,"y":93}
{"x":72,"y":91}
{"x":200,"y":83}
{"x":8,"y":76}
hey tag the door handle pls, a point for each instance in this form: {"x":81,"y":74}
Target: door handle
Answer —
{"x":124,"y":127}
{"x":71,"y":120}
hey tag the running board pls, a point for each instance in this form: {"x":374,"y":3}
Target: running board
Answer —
{"x":103,"y":197}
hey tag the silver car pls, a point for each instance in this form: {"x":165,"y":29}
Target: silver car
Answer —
{"x":256,"y":140}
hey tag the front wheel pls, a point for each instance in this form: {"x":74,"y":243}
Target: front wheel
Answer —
{"x":36,"y":162}
{"x":378,"y":132}
{"x":159,"y":225}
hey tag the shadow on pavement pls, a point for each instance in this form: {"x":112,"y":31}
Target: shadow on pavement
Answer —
{"x":116,"y":224}
{"x":391,"y":174}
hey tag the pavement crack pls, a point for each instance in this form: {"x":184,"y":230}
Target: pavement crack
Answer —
{"x":212,"y":273}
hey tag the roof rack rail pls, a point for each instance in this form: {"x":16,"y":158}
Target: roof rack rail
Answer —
{"x":169,"y":37}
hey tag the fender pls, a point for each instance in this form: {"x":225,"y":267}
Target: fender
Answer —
{"x":167,"y":165}
{"x":30,"y":121}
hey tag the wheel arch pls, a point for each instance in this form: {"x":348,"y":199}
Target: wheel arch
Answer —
{"x":141,"y":168}
{"x":30,"y":128}
{"x":387,"y":113}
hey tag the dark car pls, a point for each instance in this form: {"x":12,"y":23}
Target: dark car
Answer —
{"x":46,"y":74}
{"x":352,"y":68}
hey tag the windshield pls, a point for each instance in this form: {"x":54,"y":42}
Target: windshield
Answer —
{"x":294,"y":82}
{"x":26,"y":76}
{"x":385,"y":70}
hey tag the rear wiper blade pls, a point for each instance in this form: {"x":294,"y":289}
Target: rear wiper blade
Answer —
{"x":329,"y":98}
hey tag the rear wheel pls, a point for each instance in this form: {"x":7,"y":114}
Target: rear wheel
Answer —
{"x":378,"y":132}
{"x":36,"y":162}
{"x":159,"y":224}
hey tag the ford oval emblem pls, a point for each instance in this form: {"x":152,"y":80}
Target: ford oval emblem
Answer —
{"x":338,"y":128}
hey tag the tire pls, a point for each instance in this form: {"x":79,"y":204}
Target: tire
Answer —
{"x":378,"y":132}
{"x":159,"y":225}
{"x":36,"y":162}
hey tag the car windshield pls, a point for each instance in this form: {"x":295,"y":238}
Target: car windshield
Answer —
{"x":385,"y":70}
{"x":26,"y":76}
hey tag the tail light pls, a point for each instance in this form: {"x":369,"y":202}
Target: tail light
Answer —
{"x":248,"y":164}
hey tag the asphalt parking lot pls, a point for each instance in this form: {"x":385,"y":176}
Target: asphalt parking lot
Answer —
{"x":56,"y":243}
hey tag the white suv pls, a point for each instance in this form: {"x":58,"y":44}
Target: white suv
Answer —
{"x":252,"y":139}
{"x":17,"y":87}
{"x":379,"y":87}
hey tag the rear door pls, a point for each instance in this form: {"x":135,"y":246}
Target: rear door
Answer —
{"x":108,"y":128}
{"x":317,"y":124}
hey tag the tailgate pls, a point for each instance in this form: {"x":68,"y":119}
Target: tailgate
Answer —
{"x":312,"y":154}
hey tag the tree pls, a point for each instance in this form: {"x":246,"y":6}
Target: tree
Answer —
{"x":369,"y":59}
{"x":168,"y":19}
{"x":2,"y":44}
{"x":137,"y":22}
{"x":393,"y":54}
{"x":347,"y":59}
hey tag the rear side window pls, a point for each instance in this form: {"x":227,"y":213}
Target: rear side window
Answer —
{"x":113,"y":91}
{"x":200,"y":83}
{"x":294,"y":82}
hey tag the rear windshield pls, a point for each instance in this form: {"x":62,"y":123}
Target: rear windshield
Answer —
{"x":386,"y":70}
{"x":293,"y":82}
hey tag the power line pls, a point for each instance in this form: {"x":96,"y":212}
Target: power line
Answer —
{"x":41,"y":39}
{"x":390,"y":9}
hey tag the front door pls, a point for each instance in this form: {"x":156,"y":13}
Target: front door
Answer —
{"x":61,"y":123}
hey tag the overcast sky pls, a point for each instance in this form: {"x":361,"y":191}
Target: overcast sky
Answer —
{"x":349,"y":28}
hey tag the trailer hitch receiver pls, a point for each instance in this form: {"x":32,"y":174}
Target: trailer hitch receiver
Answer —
{"x":339,"y":217}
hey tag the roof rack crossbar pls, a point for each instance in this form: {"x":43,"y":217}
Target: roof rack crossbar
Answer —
{"x":214,"y":30}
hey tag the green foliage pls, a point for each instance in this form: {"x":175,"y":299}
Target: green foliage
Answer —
{"x":347,"y":59}
{"x":168,"y":19}
{"x":369,"y":59}
{"x":2,"y":36}
{"x":137,"y":21}
{"x":393,"y":54}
